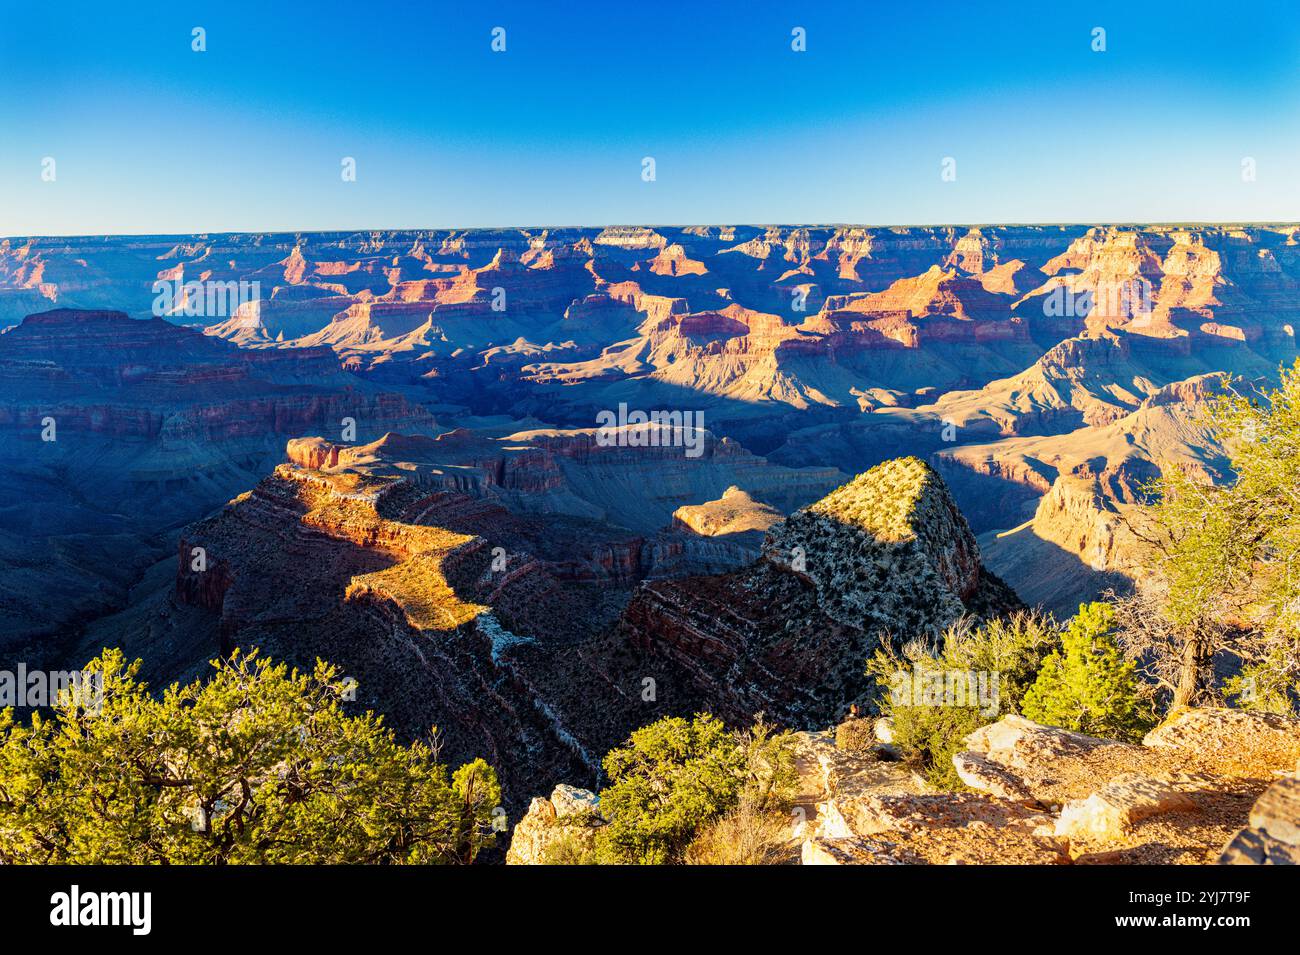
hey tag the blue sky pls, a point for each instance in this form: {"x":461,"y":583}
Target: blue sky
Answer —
{"x":149,"y":136}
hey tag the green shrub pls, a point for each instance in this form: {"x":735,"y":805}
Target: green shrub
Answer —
{"x":1224,"y":555}
{"x":929,"y":737}
{"x":255,"y":765}
{"x":675,"y":777}
{"x":1014,"y":648}
{"x":575,"y":846}
{"x":987,"y":668}
{"x":1088,"y":685}
{"x":1266,"y":685}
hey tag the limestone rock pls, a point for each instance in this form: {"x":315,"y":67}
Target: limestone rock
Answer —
{"x":986,"y":776}
{"x":942,"y":828}
{"x":1278,"y":810}
{"x":532,"y":833}
{"x":1208,"y":728}
{"x":570,"y":800}
{"x":1018,"y":743}
{"x":1273,"y":836}
{"x":1111,"y":812}
{"x":1021,"y":760}
{"x":1254,"y":847}
{"x":571,"y":815}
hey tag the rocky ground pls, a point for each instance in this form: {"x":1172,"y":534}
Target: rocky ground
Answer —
{"x":1209,"y":786}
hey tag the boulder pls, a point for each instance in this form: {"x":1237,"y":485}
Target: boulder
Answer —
{"x":1273,"y":836}
{"x":1017,"y":743}
{"x":1255,"y":847}
{"x":1278,"y":811}
{"x":1226,"y":733}
{"x":1112,"y":811}
{"x":986,"y":776}
{"x":1024,"y":761}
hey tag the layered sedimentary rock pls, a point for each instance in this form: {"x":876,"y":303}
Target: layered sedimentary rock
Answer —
{"x":886,"y":554}
{"x":1020,"y":360}
{"x":388,"y":580}
{"x":539,"y":639}
{"x":1078,"y":544}
{"x":1074,"y":499}
{"x":634,"y":477}
{"x":119,"y":430}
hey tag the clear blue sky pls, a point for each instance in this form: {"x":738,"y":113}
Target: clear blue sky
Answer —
{"x":149,"y":136}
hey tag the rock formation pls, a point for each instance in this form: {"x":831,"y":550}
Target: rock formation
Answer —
{"x":453,"y":527}
{"x":1049,"y":796}
{"x":887,"y":553}
{"x":120,"y":430}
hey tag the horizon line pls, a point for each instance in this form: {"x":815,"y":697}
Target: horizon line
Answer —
{"x":1060,"y":223}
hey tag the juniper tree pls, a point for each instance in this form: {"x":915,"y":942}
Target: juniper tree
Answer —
{"x":256,"y":765}
{"x":1223,"y":558}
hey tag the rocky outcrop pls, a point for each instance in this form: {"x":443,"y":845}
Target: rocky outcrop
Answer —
{"x":1113,"y":811}
{"x":1043,"y":795}
{"x":897,"y":519}
{"x":561,"y":829}
{"x":1038,"y":795}
{"x":888,"y":553}
{"x":735,"y":516}
{"x":1234,"y":734}
{"x":118,"y":431}
{"x":979,"y":772}
{"x":617,"y":478}
{"x":1174,"y":798}
{"x":398,"y":585}
{"x":868,"y":812}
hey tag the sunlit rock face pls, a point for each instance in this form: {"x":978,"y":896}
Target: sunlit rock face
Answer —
{"x":527,"y":634}
{"x":365,"y":393}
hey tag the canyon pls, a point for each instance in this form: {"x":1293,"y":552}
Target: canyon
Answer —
{"x":385,"y":450}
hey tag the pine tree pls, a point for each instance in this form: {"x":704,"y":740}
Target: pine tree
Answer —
{"x":1088,"y":685}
